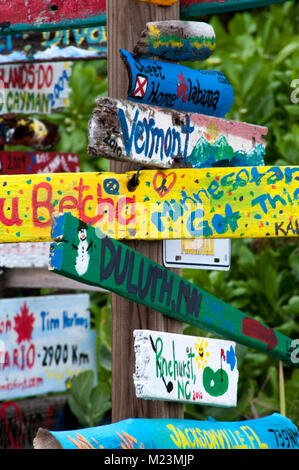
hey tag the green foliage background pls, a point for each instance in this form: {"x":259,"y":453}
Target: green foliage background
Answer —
{"x":258,"y":52}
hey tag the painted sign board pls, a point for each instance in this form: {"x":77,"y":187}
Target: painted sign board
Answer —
{"x":270,"y":432}
{"x":24,"y":255}
{"x":84,"y":254}
{"x":197,"y":253}
{"x":35,"y":88}
{"x":62,"y":45}
{"x":47,"y":340}
{"x":195,"y":8}
{"x":46,"y":15}
{"x":12,"y":163}
{"x":185,"y":369}
{"x":176,"y":40}
{"x":35,"y":133}
{"x":252,"y":202}
{"x":176,"y":86}
{"x":161,"y":138}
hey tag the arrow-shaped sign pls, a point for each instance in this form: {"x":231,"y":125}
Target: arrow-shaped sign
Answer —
{"x":84,"y":254}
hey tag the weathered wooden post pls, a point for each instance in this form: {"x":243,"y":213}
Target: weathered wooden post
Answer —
{"x":126,"y":19}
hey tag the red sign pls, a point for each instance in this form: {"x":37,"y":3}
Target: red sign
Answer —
{"x":12,"y":163}
{"x":16,"y":15}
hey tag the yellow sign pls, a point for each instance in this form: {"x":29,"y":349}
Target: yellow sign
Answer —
{"x":251,"y":202}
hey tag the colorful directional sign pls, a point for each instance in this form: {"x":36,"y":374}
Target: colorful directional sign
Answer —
{"x":12,"y":163}
{"x":271,"y":432}
{"x":35,"y":133}
{"x":197,"y":253}
{"x":46,"y":15}
{"x":34,"y":88}
{"x":176,"y":40}
{"x":175,"y":86}
{"x":252,"y":202}
{"x":184,"y":368}
{"x":160,"y":138}
{"x":84,"y":254}
{"x":196,"y":8}
{"x":44,"y":342}
{"x":62,"y":45}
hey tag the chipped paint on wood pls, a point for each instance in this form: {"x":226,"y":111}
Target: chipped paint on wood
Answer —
{"x":82,"y":253}
{"x":62,"y":45}
{"x":160,"y":138}
{"x":176,"y":41}
{"x":186,"y":369}
{"x":175,"y":86}
{"x":250,"y":202}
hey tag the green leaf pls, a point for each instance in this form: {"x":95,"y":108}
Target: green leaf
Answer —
{"x":81,"y":388}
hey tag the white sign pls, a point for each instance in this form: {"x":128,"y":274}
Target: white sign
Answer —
{"x":197,"y":253}
{"x":24,"y":255}
{"x":185,"y":368}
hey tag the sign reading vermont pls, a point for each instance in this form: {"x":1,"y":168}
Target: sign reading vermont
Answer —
{"x":44,"y":343}
{"x":249,"y":202}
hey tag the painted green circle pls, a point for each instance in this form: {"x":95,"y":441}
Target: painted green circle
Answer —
{"x":215,"y":383}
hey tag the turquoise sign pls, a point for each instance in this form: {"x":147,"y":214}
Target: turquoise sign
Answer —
{"x":271,"y":432}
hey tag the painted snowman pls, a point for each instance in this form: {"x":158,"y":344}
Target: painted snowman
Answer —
{"x":82,"y":260}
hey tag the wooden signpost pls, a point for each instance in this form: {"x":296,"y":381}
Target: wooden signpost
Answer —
{"x":36,"y":133}
{"x":163,"y":138}
{"x":271,"y":432}
{"x":47,"y":340}
{"x":83,"y":253}
{"x":34,"y":88}
{"x":47,"y":15}
{"x":128,"y":18}
{"x":13,"y":163}
{"x":185,"y":368}
{"x":196,"y":8}
{"x":178,"y":87}
{"x":176,"y":41}
{"x":253,"y":202}
{"x":61,"y":45}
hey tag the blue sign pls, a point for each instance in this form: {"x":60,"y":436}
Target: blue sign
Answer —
{"x":174,"y":86}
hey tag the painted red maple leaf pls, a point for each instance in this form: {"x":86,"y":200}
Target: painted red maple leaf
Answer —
{"x":24,"y":324}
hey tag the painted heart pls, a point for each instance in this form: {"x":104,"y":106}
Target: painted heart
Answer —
{"x":215,"y":383}
{"x":163,"y":183}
